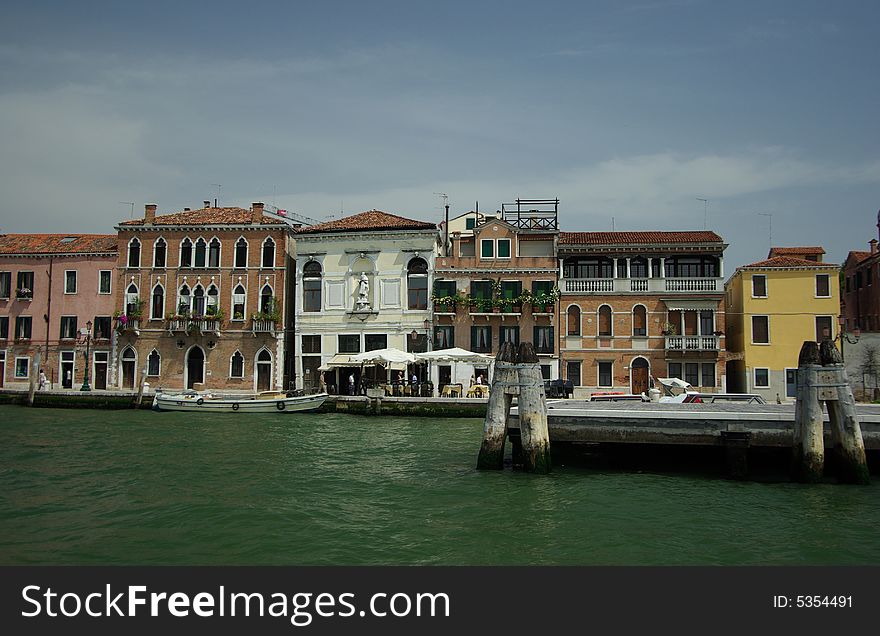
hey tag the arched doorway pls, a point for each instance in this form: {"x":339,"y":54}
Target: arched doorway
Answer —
{"x":129,"y":366}
{"x":264,"y":370}
{"x":639,"y":371}
{"x":195,"y":367}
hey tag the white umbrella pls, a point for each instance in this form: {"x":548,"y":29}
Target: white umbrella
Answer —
{"x":383,"y":356}
{"x":456,"y":354}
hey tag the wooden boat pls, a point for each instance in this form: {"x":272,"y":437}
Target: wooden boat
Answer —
{"x":265,"y":402}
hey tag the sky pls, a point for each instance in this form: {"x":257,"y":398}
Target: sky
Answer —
{"x":631,"y":113}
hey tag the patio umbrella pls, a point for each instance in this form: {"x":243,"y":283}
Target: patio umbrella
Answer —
{"x":454,"y":355}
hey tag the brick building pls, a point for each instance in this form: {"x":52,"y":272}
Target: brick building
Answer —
{"x":860,"y":296}
{"x":52,"y":288}
{"x":201,"y":300}
{"x":640,"y":304}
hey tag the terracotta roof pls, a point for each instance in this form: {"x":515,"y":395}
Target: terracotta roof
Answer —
{"x":370,"y":221}
{"x":788,"y":261}
{"x":58,"y":243}
{"x":859,"y":256}
{"x":206,"y":216}
{"x":794,"y":251}
{"x":636,"y":238}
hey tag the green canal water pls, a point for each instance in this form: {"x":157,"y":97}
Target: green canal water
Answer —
{"x":125,"y":487}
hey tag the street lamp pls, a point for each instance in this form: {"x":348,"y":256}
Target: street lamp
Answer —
{"x":85,"y":386}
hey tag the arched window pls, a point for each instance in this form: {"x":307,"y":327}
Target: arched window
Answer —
{"x":417,"y":284}
{"x":640,"y":321}
{"x":239,"y":300}
{"x":213,"y":300}
{"x":574,"y":320}
{"x":160,"y":249}
{"x":312,"y":286}
{"x":132,"y":301}
{"x":267,"y":301}
{"x":154,"y":363}
{"x":184,"y":301}
{"x":134,"y":253}
{"x":241,"y":253}
{"x":264,"y":356}
{"x":201,"y":248}
{"x":268,"y":253}
{"x":198,"y":304}
{"x":605,"y":320}
{"x":214,"y":253}
{"x":236,"y":365}
{"x":157,"y":306}
{"x":638,"y":267}
{"x":186,"y":253}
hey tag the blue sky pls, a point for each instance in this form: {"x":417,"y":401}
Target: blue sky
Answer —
{"x":627,"y":111}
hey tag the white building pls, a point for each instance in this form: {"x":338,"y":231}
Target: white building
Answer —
{"x":362,"y":283}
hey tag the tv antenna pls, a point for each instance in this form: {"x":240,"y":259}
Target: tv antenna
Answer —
{"x":705,"y":212}
{"x":131,"y":203}
{"x":443,"y":196}
{"x":219,"y":186}
{"x":769,"y":216}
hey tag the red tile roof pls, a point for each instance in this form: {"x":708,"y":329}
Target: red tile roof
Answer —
{"x":636,"y":238}
{"x":58,"y":243}
{"x":788,"y":261}
{"x":859,"y":256}
{"x":794,"y":251}
{"x":206,"y":216}
{"x":370,"y":221}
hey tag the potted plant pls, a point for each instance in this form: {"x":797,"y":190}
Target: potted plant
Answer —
{"x":24,"y":293}
{"x":668,"y":329}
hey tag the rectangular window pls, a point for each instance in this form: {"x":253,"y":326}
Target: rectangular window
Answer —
{"x":481,"y":289}
{"x":102,"y":327}
{"x":349,"y":343}
{"x":823,"y":289}
{"x":823,"y":328}
{"x":708,"y":374}
{"x":487,"y":248}
{"x":374,"y":341}
{"x":511,"y":289}
{"x":444,"y":337}
{"x":104,"y":281}
{"x":621,"y":268}
{"x":238,"y":304}
{"x":68,"y":327}
{"x":503,"y":248}
{"x":573,"y":372}
{"x":470,"y":223}
{"x":674,"y":370}
{"x":858,"y":280}
{"x":692,"y":373}
{"x":24,"y":285}
{"x":509,"y":334}
{"x":481,"y":339}
{"x":759,"y":286}
{"x":22,"y":368}
{"x":5,"y":284}
{"x":444,"y":288}
{"x":4,"y":327}
{"x":70,"y":281}
{"x":23,"y":328}
{"x":543,"y":339}
{"x":762,"y":378}
{"x":545,"y":371}
{"x":707,"y":323}
{"x":791,"y":383}
{"x":419,"y":344}
{"x":760,"y":330}
{"x":542,"y":287}
{"x":868,"y":275}
{"x":605,"y":369}
{"x":311,"y":344}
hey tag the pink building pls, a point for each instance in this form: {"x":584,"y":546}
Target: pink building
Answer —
{"x":52,"y":287}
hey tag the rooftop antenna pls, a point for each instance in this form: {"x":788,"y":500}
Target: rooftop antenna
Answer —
{"x":612,"y":223}
{"x":217,"y":202}
{"x":443,"y":196}
{"x":705,"y":212}
{"x":131,"y":203}
{"x":769,"y":216}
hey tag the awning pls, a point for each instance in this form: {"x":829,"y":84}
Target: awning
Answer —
{"x":339,"y":360}
{"x":675,"y":304}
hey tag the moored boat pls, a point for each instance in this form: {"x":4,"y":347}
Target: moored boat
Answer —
{"x":265,"y":402}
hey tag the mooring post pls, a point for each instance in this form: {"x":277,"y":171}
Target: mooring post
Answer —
{"x":140,"y":395}
{"x":532,"y":405}
{"x":35,"y":372}
{"x":848,"y":447}
{"x":498,"y":409}
{"x":808,"y":445}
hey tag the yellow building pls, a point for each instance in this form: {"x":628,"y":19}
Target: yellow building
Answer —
{"x":773,"y":306}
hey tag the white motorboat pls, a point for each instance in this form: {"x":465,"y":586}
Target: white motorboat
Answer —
{"x":265,"y":402}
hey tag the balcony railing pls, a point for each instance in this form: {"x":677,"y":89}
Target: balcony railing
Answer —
{"x":692,"y":343}
{"x":639,"y":285}
{"x":128,"y":325}
{"x":194,"y":325}
{"x":263,"y":326}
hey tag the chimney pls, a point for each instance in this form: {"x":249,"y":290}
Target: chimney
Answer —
{"x":207,"y":204}
{"x":149,"y":213}
{"x":873,"y":244}
{"x":256,"y":213}
{"x":186,"y":209}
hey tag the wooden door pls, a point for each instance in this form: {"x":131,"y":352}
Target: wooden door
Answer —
{"x":639,"y":372}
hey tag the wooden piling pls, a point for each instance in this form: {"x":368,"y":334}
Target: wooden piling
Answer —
{"x":532,"y":411}
{"x":35,"y":373}
{"x":809,"y":444}
{"x":497,"y":410}
{"x":140,"y":395}
{"x":848,"y":447}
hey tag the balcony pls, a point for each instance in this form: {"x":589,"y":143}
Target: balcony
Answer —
{"x":194,"y":325}
{"x":640,"y":285}
{"x":692,"y":343}
{"x":262,"y":326}
{"x":128,"y":325}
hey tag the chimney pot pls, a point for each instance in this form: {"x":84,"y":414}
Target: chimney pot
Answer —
{"x":186,"y":209}
{"x":256,"y":213}
{"x":873,"y":244}
{"x":149,"y":213}
{"x":207,"y":203}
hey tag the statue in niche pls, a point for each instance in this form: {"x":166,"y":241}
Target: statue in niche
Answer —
{"x":363,"y":302}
